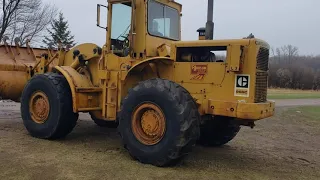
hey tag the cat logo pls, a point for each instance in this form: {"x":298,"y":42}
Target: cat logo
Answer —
{"x":242,"y":85}
{"x":242,"y":81}
{"x":198,"y":72}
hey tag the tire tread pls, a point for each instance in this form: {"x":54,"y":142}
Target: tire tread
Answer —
{"x":189,"y":123}
{"x":67,"y":118}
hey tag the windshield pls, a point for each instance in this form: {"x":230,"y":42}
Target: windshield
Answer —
{"x":121,"y":20}
{"x":163,"y":21}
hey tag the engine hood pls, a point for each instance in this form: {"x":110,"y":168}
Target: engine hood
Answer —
{"x":224,"y":42}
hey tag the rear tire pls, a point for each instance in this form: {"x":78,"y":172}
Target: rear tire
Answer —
{"x":103,"y":123}
{"x":217,"y":131}
{"x":57,"y":119}
{"x":176,"y":112}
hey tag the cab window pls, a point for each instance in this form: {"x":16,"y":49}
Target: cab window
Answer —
{"x":163,"y":21}
{"x":120,"y":28}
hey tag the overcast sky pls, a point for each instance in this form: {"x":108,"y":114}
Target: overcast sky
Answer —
{"x":279,"y":22}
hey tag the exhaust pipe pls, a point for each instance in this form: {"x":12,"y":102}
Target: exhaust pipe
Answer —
{"x":210,"y":24}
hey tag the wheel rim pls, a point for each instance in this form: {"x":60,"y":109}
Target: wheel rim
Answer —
{"x":148,"y":124}
{"x":39,"y":107}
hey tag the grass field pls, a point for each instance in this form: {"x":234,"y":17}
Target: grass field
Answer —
{"x":311,"y":113}
{"x":292,"y":94}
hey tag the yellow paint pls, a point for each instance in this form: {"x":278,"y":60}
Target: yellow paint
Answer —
{"x":252,"y":111}
{"x":164,"y":50}
{"x":81,"y":89}
{"x":102,"y":81}
{"x":16,"y":66}
{"x":234,"y":58}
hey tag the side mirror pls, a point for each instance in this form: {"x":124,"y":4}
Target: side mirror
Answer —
{"x":99,"y":15}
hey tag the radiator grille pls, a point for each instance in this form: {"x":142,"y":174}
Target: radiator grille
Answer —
{"x":263,"y":59}
{"x":261,"y":87}
{"x":262,"y":76}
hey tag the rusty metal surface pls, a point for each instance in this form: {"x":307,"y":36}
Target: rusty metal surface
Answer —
{"x":15,"y":66}
{"x":148,"y":124}
{"x":23,"y":56}
{"x":39,"y":107}
{"x":12,"y":84}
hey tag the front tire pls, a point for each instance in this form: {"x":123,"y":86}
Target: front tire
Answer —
{"x":159,"y":122}
{"x":46,"y":107}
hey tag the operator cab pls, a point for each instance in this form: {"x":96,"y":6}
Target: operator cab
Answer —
{"x":119,"y":15}
{"x":137,"y":28}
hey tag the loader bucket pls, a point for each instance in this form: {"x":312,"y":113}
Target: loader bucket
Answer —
{"x":15,"y":65}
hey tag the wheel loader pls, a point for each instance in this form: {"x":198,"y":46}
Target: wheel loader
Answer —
{"x":163,"y":94}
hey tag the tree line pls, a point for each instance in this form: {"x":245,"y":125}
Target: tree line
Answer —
{"x":33,"y":20}
{"x":288,"y":69}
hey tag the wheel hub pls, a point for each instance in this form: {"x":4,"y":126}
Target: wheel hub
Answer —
{"x":151,"y":122}
{"x":148,"y":124}
{"x":39,"y":107}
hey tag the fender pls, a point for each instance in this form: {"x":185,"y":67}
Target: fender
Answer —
{"x":76,"y":81}
{"x":154,"y":63}
{"x":159,"y":67}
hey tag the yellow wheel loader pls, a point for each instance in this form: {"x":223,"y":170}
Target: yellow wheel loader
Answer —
{"x":163,"y":94}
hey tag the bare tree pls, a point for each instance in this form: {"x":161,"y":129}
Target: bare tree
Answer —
{"x":277,"y":55}
{"x":25,"y":19}
{"x":288,"y":69}
{"x":289,"y":52}
{"x":316,"y":80}
{"x":285,"y":77}
{"x":6,"y":17}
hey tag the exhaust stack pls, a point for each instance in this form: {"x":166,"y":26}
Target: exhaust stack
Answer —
{"x":210,"y":24}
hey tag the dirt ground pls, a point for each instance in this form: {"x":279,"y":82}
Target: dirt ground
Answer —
{"x":282,"y":147}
